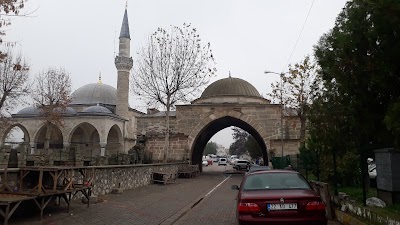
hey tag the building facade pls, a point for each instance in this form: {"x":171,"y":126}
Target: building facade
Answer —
{"x":100,"y":124}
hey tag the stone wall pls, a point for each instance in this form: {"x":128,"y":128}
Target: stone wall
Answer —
{"x":108,"y":177}
{"x":178,"y":150}
{"x":127,"y":176}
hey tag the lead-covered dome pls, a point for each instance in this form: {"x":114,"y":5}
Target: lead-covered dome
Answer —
{"x":97,"y":109}
{"x":93,"y":94}
{"x":31,"y":110}
{"x":230,"y":87}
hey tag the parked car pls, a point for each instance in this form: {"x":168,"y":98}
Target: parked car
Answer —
{"x":205,"y":162}
{"x":278,"y":197}
{"x":255,"y":167}
{"x":222,"y":161}
{"x":241,"y":165}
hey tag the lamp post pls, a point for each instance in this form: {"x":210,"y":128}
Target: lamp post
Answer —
{"x":281,"y":101}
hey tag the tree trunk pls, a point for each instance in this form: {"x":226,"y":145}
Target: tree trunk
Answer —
{"x":302,"y":131}
{"x":47,"y":138}
{"x":3,"y":99}
{"x":166,"y":144}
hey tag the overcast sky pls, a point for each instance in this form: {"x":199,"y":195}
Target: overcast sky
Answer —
{"x":247,"y":36}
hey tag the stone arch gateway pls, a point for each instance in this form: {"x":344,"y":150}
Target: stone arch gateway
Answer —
{"x":203,"y":136}
{"x":224,"y":103}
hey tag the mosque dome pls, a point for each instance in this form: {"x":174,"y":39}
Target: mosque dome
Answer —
{"x":97,"y":109}
{"x":230,"y":87}
{"x":93,"y":94}
{"x":32,"y":111}
{"x":66,"y":111}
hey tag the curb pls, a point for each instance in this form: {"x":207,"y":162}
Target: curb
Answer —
{"x":347,"y":219}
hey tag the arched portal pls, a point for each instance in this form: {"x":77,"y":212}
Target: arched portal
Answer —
{"x":86,"y":139}
{"x":114,"y":140}
{"x":56,"y":138}
{"x":214,"y":127}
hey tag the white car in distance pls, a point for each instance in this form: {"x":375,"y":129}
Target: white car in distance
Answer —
{"x":222,"y":161}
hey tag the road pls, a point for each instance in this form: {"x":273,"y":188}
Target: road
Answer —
{"x":206,"y":199}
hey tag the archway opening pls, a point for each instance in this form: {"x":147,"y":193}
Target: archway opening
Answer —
{"x":55,"y":141}
{"x":16,"y":144}
{"x":86,"y":139}
{"x":217,"y":125}
{"x":114,"y":144}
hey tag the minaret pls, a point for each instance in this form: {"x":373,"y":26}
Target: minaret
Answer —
{"x":124,"y":63}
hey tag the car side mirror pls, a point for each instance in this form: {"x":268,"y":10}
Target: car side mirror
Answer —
{"x":235,"y":187}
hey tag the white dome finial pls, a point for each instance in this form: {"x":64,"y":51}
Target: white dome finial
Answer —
{"x":99,"y":82}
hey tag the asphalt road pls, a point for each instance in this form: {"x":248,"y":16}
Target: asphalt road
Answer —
{"x":206,"y":199}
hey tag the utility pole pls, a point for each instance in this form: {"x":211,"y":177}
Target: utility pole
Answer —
{"x":282,"y":105}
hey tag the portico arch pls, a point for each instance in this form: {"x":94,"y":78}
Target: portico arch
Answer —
{"x":20,"y":126}
{"x":203,"y":134}
{"x":56,"y":138}
{"x":114,"y":140}
{"x":86,"y":137}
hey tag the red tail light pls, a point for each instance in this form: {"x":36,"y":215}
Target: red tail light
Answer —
{"x":315,"y":205}
{"x":248,"y":208}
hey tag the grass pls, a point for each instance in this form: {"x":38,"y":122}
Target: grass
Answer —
{"x":356,"y":194}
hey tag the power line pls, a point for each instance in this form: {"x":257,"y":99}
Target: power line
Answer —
{"x":301,"y":31}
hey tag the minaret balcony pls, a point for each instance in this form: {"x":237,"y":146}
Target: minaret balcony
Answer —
{"x":123,"y":63}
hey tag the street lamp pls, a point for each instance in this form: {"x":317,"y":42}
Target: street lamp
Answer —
{"x":281,"y":101}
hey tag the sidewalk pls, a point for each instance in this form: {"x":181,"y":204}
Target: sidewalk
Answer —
{"x":151,"y":204}
{"x":206,"y":199}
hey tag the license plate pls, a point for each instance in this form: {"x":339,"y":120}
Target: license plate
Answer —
{"x":283,"y":206}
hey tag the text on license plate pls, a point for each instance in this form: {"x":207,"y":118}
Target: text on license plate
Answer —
{"x":283,"y":206}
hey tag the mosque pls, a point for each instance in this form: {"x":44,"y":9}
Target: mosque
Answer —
{"x":100,"y":124}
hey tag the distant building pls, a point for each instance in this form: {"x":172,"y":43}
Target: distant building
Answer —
{"x":221,"y":150}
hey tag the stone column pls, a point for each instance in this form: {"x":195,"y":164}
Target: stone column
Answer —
{"x":65,"y":152}
{"x":33,"y":146}
{"x":103,"y":148}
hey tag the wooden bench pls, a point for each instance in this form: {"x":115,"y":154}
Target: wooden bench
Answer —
{"x":188,"y":171}
{"x":163,"y":177}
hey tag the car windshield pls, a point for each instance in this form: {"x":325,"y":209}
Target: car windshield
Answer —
{"x":258,"y":168}
{"x":275,"y":181}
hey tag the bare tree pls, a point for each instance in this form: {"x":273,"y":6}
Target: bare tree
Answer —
{"x":14,"y":83}
{"x":172,"y":68}
{"x":8,"y":8}
{"x":298,"y":87}
{"x":51,"y":95}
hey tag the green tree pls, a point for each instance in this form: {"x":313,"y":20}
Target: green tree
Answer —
{"x":211,"y":148}
{"x":360,"y":56}
{"x":359,"y":69}
{"x":172,"y":68}
{"x":238,"y":147}
{"x":298,"y":86}
{"x":253,"y":147}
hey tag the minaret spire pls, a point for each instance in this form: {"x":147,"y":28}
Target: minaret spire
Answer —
{"x":123,"y":62}
{"x":125,"y":25}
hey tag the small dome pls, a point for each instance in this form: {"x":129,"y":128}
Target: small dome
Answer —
{"x":29,"y":111}
{"x":66,"y":111}
{"x":97,"y":109}
{"x":96,"y":93}
{"x":230,"y":87}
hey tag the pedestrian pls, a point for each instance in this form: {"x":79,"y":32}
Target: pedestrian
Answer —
{"x":289,"y":167}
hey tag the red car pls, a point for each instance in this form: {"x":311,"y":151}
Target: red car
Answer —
{"x":278,"y":197}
